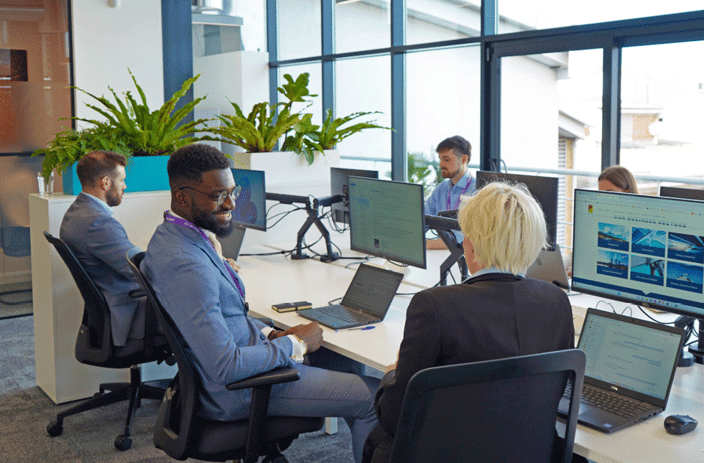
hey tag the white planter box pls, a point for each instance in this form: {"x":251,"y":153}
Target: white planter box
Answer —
{"x":286,"y":171}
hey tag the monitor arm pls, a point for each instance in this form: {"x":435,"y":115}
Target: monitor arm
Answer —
{"x":695,"y":354}
{"x":312,"y":206}
{"x":444,"y":226}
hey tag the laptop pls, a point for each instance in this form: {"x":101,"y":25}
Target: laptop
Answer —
{"x":631,"y":363}
{"x":550,"y":267}
{"x":232,"y":244}
{"x":366,"y":301}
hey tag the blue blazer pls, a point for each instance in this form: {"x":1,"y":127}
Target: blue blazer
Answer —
{"x":223,"y":342}
{"x":100,"y":243}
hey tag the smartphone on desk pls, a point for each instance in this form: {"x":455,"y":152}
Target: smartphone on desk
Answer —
{"x":291,"y":306}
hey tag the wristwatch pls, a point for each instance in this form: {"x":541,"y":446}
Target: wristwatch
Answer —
{"x":303,"y":343}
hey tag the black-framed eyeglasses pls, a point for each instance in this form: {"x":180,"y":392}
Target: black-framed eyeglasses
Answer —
{"x":222,"y":197}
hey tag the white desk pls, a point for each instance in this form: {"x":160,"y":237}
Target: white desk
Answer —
{"x":275,"y":279}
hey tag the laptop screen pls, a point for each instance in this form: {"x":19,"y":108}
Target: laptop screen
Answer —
{"x":630,"y":353}
{"x":372,"y":290}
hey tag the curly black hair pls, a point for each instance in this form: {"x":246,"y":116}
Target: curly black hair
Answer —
{"x":189,"y":163}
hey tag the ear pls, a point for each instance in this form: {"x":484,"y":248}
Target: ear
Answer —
{"x":180,"y":198}
{"x":104,"y":183}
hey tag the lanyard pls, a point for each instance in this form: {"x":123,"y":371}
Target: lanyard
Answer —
{"x":185,"y":223}
{"x":449,"y":195}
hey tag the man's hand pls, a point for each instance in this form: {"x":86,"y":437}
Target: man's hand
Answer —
{"x":311,"y":334}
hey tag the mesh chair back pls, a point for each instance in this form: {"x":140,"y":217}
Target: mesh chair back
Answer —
{"x":492,"y":411}
{"x":94,"y":343}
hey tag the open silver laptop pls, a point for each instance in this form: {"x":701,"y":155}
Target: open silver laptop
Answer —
{"x":366,"y":301}
{"x":550,"y":267}
{"x":630,"y":368}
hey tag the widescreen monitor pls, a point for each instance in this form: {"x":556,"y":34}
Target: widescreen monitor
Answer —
{"x":686,"y":193}
{"x":387,"y":219}
{"x":646,"y":250}
{"x":339,"y":187}
{"x":543,"y":189}
{"x":250,"y":210}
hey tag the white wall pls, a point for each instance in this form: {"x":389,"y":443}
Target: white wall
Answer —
{"x":107,"y":41}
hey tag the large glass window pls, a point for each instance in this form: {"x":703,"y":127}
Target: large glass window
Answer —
{"x":435,"y":21}
{"x":361,"y":25}
{"x":662,"y":113}
{"x":362,"y":85}
{"x":442,"y":99}
{"x":544,"y":14}
{"x":298,"y":28}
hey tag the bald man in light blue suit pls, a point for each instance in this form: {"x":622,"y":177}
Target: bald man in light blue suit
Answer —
{"x":100,"y":242}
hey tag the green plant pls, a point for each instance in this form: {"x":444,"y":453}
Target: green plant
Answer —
{"x":130,"y":128}
{"x":420,"y":170}
{"x":147,"y":132}
{"x":261,"y":130}
{"x":68,"y":146}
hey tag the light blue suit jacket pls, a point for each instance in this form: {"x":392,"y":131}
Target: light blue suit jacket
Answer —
{"x":100,"y":242}
{"x":201,"y":297}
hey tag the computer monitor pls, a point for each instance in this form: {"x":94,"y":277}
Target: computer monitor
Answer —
{"x":250,"y":210}
{"x":647,"y":250}
{"x":387,"y":219}
{"x":677,"y":192}
{"x":339,"y":187}
{"x":543,"y":189}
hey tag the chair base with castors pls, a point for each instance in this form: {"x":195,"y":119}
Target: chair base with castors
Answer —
{"x":134,"y":391}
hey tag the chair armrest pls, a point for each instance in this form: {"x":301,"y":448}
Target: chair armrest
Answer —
{"x":279,"y":375}
{"x":266,"y":320}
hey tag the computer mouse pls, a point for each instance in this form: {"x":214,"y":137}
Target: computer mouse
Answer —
{"x":680,"y":424}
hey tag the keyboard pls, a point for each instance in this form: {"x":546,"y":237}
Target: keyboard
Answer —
{"x":341,"y":313}
{"x":609,"y":401}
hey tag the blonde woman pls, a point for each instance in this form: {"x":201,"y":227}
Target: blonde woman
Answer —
{"x":496,"y":313}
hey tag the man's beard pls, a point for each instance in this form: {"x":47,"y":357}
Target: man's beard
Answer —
{"x":113,"y":197}
{"x":448,"y":174}
{"x":208,"y":221}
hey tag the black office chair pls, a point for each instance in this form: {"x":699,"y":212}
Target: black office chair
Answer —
{"x":94,"y":346}
{"x":182,"y":433}
{"x":492,"y":411}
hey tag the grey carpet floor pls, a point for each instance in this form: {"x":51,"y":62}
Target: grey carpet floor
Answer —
{"x":88,"y":437}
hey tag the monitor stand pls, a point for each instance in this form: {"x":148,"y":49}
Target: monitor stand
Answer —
{"x":312,"y":206}
{"x":456,"y":255}
{"x":695,"y":354}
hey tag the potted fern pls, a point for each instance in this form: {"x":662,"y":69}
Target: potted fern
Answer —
{"x":262,"y":129}
{"x":129,"y":127}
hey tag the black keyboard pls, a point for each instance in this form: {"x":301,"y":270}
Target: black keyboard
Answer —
{"x":343,"y":314}
{"x":609,"y":401}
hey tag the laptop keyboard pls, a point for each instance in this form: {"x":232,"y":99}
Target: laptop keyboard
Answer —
{"x":609,"y":401}
{"x":343,"y":314}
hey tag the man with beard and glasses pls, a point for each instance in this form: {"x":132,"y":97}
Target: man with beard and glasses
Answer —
{"x":100,"y":242}
{"x":454,"y":153}
{"x":206,"y":301}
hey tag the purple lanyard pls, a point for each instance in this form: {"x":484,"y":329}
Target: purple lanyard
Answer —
{"x":449,"y":195}
{"x":183,"y":222}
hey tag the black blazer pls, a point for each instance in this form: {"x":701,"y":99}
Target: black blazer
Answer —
{"x":491,"y":316}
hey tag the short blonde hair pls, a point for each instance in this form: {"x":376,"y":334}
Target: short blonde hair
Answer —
{"x":506,"y":226}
